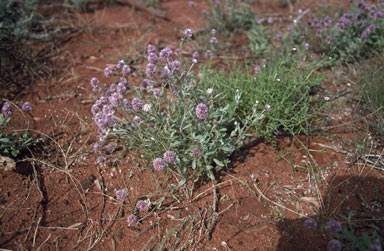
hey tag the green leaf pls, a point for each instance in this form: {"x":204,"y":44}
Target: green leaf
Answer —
{"x":4,"y":140}
{"x":218,"y":162}
{"x":228,"y":149}
{"x":182,"y":182}
{"x":194,"y":164}
{"x":210,"y":175}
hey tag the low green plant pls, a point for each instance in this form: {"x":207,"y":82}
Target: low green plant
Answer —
{"x":83,"y":5}
{"x":21,"y":29}
{"x":281,"y":84}
{"x":13,"y":144}
{"x":350,"y":35}
{"x":230,"y":16}
{"x":285,"y":3}
{"x":349,"y":239}
{"x":186,"y":129}
{"x":259,"y":42}
{"x":152,"y":3}
{"x":370,"y":78}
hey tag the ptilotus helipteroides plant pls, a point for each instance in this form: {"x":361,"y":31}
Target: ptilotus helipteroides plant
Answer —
{"x":169,"y":121}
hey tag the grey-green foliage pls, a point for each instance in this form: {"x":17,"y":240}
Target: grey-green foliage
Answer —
{"x":370,"y":76}
{"x":353,"y":241}
{"x":83,"y":5}
{"x":18,"y":19}
{"x":171,"y":124}
{"x":285,"y":3}
{"x":14,"y":144}
{"x":281,"y":83}
{"x":230,"y":16}
{"x":345,"y":39}
{"x":258,"y":39}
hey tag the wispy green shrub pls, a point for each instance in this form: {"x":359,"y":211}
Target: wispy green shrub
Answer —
{"x":282,"y":83}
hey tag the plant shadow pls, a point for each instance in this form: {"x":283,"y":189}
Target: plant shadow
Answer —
{"x":364,"y":195}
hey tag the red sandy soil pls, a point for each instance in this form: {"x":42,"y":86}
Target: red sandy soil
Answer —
{"x":64,"y":201}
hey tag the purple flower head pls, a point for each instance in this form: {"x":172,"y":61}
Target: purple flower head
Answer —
{"x":123,"y":81}
{"x":146,"y":83}
{"x":169,"y":157}
{"x":152,"y":58}
{"x":176,"y":52}
{"x":7,"y":109}
{"x":111,"y":147}
{"x":151,"y":48}
{"x":191,"y":4}
{"x":131,"y":219}
{"x":115,"y":98}
{"x":267,"y":108}
{"x":334,"y":245}
{"x":201,"y":111}
{"x":204,"y":11}
{"x":96,"y":89}
{"x":368,"y":31}
{"x":257,"y":69}
{"x":110,"y":90}
{"x":95,"y":109}
{"x":306,"y":46}
{"x":137,"y":104}
{"x":156,"y":92}
{"x":101,"y":160}
{"x":126,"y":104}
{"x":108,"y":71}
{"x":208,"y":54}
{"x":107,"y":120}
{"x":94,"y":81}
{"x":344,"y":20}
{"x":26,"y":107}
{"x":375,"y":246}
{"x":126,"y":70}
{"x":310,"y":224}
{"x":120,"y":64}
{"x":217,"y":2}
{"x":188,"y":33}
{"x":165,"y":53}
{"x":175,"y":65}
{"x":309,"y":22}
{"x":166,"y":74}
{"x":142,"y":205}
{"x":175,"y":89}
{"x":159,"y":164}
{"x":137,"y":119}
{"x":333,"y":227}
{"x":121,"y":194}
{"x":270,"y":20}
{"x":195,"y":55}
{"x":327,"y":22}
{"x":150,"y":70}
{"x":213,"y":31}
{"x":102,"y":100}
{"x":121,"y":88}
{"x":195,"y":152}
{"x":213,"y":40}
{"x":97,"y":147}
